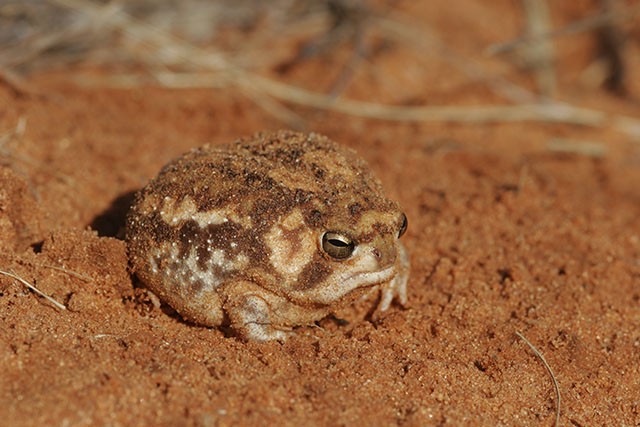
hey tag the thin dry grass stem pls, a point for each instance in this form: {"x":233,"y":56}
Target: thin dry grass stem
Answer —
{"x":68,"y":272}
{"x":276,"y":109}
{"x":540,"y":54}
{"x":15,"y":82}
{"x":349,"y":69}
{"x":522,"y":178}
{"x":33,"y":288}
{"x":17,"y":132}
{"x":548,"y":368}
{"x":552,"y":112}
{"x":588,"y":24}
{"x":573,"y":146}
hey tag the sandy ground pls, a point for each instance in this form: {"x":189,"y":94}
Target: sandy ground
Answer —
{"x":509,"y":232}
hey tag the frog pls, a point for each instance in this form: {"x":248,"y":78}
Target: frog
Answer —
{"x":267,"y":234}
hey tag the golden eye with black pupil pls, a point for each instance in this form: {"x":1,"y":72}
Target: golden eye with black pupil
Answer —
{"x":403,"y":226}
{"x":337,"y":245}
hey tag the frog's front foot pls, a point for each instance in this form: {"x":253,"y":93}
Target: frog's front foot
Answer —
{"x":250,"y":316}
{"x":396,"y":288}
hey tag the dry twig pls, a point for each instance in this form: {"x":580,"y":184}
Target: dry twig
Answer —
{"x":590,"y":23}
{"x":548,"y":368}
{"x":33,"y":288}
{"x":17,"y":132}
{"x":554,"y":112}
{"x":69,"y":272}
{"x":572,"y":146}
{"x":540,"y":54}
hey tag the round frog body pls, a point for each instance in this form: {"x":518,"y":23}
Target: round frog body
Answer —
{"x":266,"y":234}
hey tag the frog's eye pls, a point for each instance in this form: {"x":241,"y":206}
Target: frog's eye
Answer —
{"x":403,"y":226}
{"x":337,"y":245}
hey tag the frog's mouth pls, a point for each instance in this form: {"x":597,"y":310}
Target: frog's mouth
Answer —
{"x":339,"y":287}
{"x":359,"y":280}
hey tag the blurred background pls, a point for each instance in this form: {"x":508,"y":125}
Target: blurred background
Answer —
{"x":382,"y":59}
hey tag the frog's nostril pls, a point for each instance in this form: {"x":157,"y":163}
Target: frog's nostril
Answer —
{"x":376,"y":252}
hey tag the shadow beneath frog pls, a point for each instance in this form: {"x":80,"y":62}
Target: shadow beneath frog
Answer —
{"x":111,"y":222}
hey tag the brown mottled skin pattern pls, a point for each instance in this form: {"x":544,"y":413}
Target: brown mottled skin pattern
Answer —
{"x":263,"y":178}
